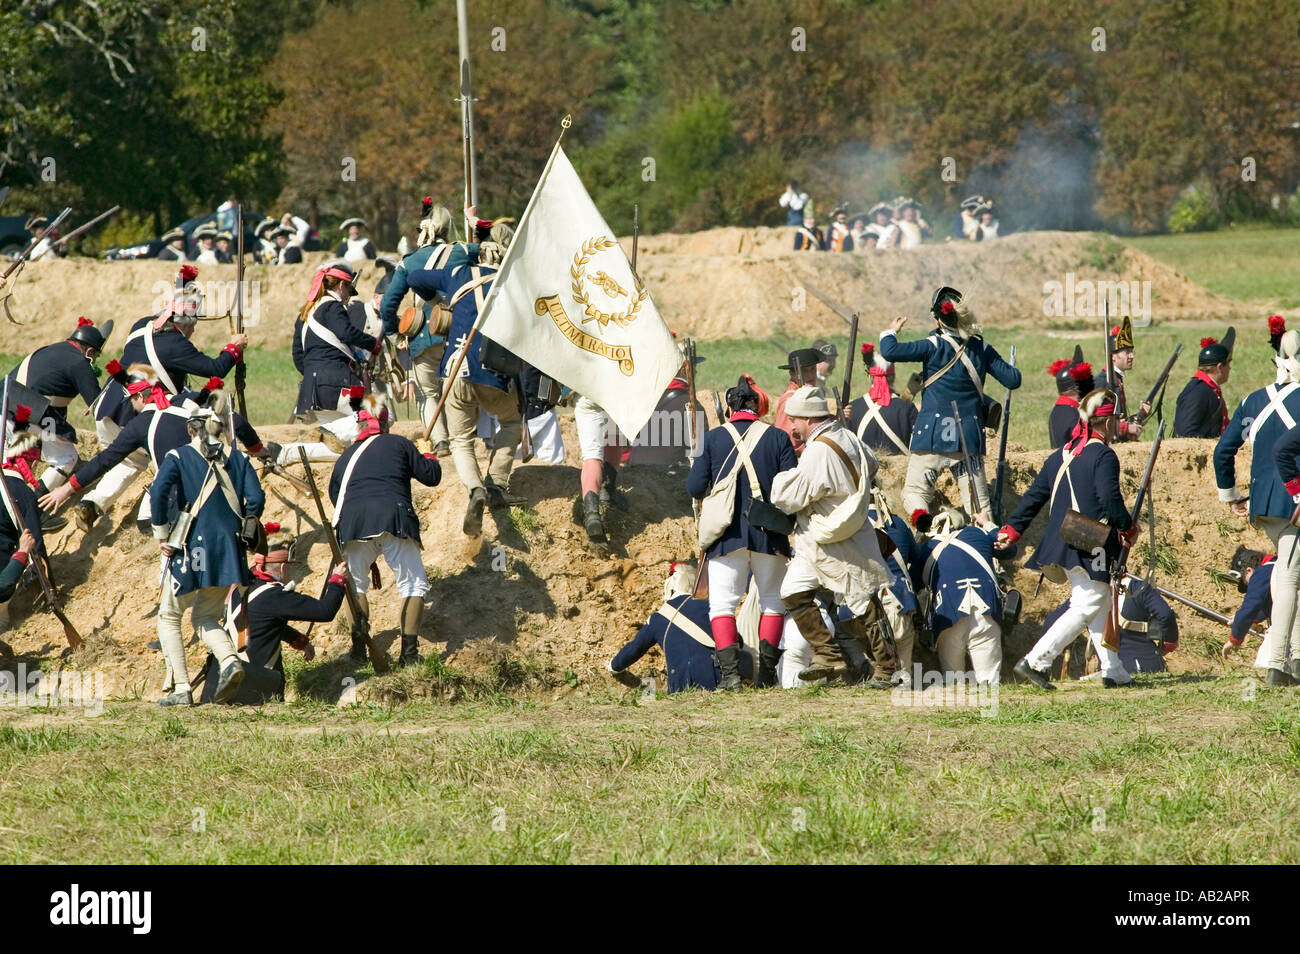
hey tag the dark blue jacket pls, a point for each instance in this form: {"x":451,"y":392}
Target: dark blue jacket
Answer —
{"x":179,"y":359}
{"x":1286,"y":453}
{"x":270,"y":613}
{"x":378,"y":498}
{"x":214,"y":554}
{"x":931,"y":435}
{"x":904,"y":569}
{"x":1095,"y":477}
{"x":1257,"y":605}
{"x":61,"y":370}
{"x":771,"y":454}
{"x":398,"y":286}
{"x":961,"y":584}
{"x":688,"y":661}
{"x":326,"y":370}
{"x":1199,"y":412}
{"x":431,"y":283}
{"x":1268,"y":496}
{"x":900,"y":415}
{"x":25,"y":500}
{"x":1061,"y":424}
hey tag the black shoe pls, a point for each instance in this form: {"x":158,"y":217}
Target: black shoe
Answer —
{"x":232,"y":675}
{"x":85,"y":514}
{"x":1276,"y":678}
{"x":1032,"y":675}
{"x":358,"y":653}
{"x":177,"y":699}
{"x":591,"y":521}
{"x":410,"y":650}
{"x":498,"y":498}
{"x":729,"y":663}
{"x":1293,"y":670}
{"x":768,"y":656}
{"x":879,"y":682}
{"x":51,"y":523}
{"x":473,"y":524}
{"x":609,"y":487}
{"x":1112,"y":684}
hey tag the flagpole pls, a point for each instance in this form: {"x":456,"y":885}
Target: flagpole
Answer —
{"x":466,"y":114}
{"x":450,"y":380}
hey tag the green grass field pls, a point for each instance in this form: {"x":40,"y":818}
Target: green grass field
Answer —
{"x":1180,"y":771}
{"x":1251,"y":264}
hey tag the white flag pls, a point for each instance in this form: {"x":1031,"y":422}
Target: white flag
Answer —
{"x":566,"y":302}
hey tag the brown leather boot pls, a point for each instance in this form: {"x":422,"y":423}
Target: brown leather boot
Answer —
{"x":884,"y":656}
{"x":828,"y":662}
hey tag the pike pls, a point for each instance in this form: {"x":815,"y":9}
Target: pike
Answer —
{"x":1158,"y":387}
{"x":17,"y":264}
{"x":700,"y":589}
{"x":966,"y":464}
{"x":1110,"y":636}
{"x":466,"y":101}
{"x":850,"y":317}
{"x":360,"y":620}
{"x":38,"y":559}
{"x":81,"y":230}
{"x":1000,"y":478}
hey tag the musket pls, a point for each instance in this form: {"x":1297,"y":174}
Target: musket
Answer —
{"x":848,"y":316}
{"x":636,"y":232}
{"x":241,"y":372}
{"x":848,"y":363}
{"x":360,"y":620}
{"x":1160,"y":383}
{"x":466,"y":114}
{"x":16,"y":265}
{"x":81,"y":230}
{"x":700,"y":590}
{"x":1000,"y":475}
{"x":1192,"y":604}
{"x":966,"y":463}
{"x":1110,"y":637}
{"x":1110,"y":352}
{"x":38,"y":559}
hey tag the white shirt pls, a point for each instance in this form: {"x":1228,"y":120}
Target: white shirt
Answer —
{"x":793,"y":200}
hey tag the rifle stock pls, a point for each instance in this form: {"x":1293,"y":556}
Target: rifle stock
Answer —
{"x":360,"y":620}
{"x":966,"y":463}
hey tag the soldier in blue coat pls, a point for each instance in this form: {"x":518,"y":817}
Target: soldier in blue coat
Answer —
{"x":1082,"y":476}
{"x":899,"y":598}
{"x":956,"y":360}
{"x":1073,"y":381}
{"x":965,"y":600}
{"x":433,"y":246}
{"x":161,"y":341}
{"x":1265,"y":419}
{"x":1254,"y":577}
{"x":206,"y":547}
{"x":680,"y":628}
{"x":1148,"y":626}
{"x":743,"y":548}
{"x":374,"y":514}
{"x":329,"y":350}
{"x":881,"y":419}
{"x":1201,"y":411}
{"x":61,"y":372}
{"x":465,"y":286}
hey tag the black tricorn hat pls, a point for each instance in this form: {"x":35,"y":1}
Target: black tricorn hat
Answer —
{"x":802,"y":358}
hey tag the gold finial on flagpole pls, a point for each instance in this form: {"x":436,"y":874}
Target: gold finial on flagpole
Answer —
{"x":565,"y":123}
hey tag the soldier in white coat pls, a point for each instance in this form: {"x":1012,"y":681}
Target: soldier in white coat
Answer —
{"x":834,"y":543}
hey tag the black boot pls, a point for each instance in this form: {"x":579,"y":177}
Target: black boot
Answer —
{"x":591,"y":521}
{"x":768,"y":656}
{"x":1276,"y":677}
{"x":410,"y":650}
{"x":609,"y":487}
{"x":729,"y":662}
{"x":473,"y":524}
{"x":358,"y":654}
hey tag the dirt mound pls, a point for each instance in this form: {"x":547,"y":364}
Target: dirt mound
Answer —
{"x":723,"y":283}
{"x":533,"y":583}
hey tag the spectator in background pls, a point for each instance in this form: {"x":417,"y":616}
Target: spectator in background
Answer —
{"x":793,"y":201}
{"x":838,"y":236}
{"x":809,"y":238}
{"x":881,"y":224}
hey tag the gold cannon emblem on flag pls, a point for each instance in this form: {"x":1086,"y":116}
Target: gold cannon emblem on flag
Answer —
{"x":602,"y":280}
{"x":550,"y":304}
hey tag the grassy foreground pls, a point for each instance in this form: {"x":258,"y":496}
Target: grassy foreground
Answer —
{"x":1179,"y":770}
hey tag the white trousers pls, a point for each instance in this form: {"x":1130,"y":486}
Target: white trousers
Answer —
{"x":428,"y":388}
{"x":729,"y":582}
{"x":206,"y":608}
{"x":342,"y":425}
{"x":923,"y":473}
{"x":904,"y":628}
{"x":61,"y":456}
{"x":402,"y":556}
{"x":1087,"y":609}
{"x":596,"y":430}
{"x":118,"y":477}
{"x":796,"y":654}
{"x":981,"y":636}
{"x":1283,"y":636}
